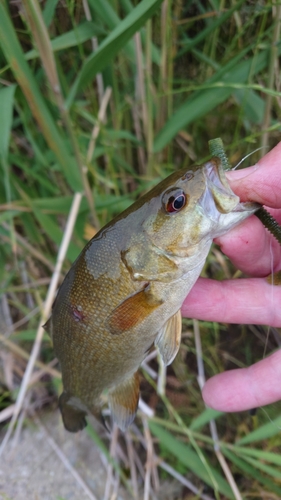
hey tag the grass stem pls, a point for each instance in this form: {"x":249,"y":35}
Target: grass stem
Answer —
{"x":47,"y":308}
{"x":213,"y":427}
{"x":273,"y":62}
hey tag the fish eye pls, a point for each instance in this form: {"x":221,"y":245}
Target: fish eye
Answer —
{"x":174,"y":200}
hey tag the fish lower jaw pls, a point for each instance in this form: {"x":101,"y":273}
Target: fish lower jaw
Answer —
{"x":234,"y":218}
{"x":247,"y":206}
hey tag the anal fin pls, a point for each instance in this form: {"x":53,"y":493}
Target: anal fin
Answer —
{"x":169,"y":338}
{"x":123,"y":401}
{"x":73,"y":417}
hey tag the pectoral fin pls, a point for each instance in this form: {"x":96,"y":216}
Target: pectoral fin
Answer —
{"x":123,"y":401}
{"x":168,"y":340}
{"x":133,"y":311}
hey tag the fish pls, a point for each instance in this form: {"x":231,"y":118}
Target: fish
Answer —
{"x":123,"y":294}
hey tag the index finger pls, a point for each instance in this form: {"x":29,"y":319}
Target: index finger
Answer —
{"x":250,"y":246}
{"x":245,"y":388}
{"x":260,"y":183}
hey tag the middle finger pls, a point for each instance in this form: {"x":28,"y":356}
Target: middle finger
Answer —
{"x":252,"y":248}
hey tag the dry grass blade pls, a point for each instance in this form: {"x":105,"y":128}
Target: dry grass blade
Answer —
{"x":91,"y":147}
{"x":36,"y":376}
{"x":271,"y":73}
{"x":183,"y":480}
{"x":7,"y":361}
{"x":140,"y":87}
{"x":110,"y":478}
{"x":47,"y":308}
{"x":22,"y":241}
{"x":152,"y":373}
{"x":6,"y":313}
{"x":7,"y":413}
{"x":138,"y":132}
{"x":228,"y":475}
{"x":19,"y":351}
{"x":162,"y":464}
{"x":23,"y":74}
{"x":43,"y":43}
{"x":94,"y":41}
{"x":161,"y":381}
{"x":21,"y":419}
{"x":149,"y":412}
{"x":21,"y":322}
{"x":213,"y":427}
{"x":131,"y":456}
{"x":151,"y":465}
{"x":65,"y":461}
{"x":22,"y":288}
{"x":40,"y":34}
{"x":96,"y":129}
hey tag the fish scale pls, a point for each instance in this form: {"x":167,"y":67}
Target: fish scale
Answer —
{"x":124,"y":292}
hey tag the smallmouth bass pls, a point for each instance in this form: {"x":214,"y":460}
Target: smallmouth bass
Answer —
{"x":124,"y":292}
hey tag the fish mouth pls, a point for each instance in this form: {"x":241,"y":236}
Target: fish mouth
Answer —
{"x":219,"y":194}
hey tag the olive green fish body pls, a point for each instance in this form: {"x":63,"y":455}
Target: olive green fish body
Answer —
{"x":124,"y":292}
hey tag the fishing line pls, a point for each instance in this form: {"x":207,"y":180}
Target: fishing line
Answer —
{"x":247,"y":156}
{"x":271,"y":293}
{"x":270,"y":419}
{"x":268,"y":328}
{"x":216,"y":148}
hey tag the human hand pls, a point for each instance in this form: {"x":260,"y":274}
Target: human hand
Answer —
{"x":255,"y":252}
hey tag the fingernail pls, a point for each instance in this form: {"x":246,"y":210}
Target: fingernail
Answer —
{"x":240,"y":174}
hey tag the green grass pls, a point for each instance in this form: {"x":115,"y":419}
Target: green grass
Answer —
{"x":181,"y":73}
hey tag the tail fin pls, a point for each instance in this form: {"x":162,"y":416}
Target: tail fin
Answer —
{"x":73,"y":418}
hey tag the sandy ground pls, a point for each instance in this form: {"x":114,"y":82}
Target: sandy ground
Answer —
{"x":32,"y":469}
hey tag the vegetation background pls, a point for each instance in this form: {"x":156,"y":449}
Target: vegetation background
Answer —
{"x":99,"y":101}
